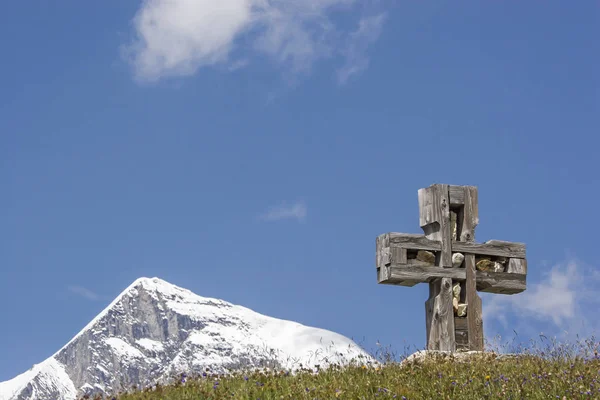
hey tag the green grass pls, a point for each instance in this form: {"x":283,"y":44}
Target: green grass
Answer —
{"x":544,"y":370}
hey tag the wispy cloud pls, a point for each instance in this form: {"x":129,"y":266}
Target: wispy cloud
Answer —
{"x":83,"y":292}
{"x":565,"y":300}
{"x":239,"y":64}
{"x":177,"y":37}
{"x":296,"y":211}
{"x":357,"y":61}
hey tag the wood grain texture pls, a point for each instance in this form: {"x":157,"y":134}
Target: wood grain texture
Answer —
{"x":517,"y":266}
{"x":501,"y":282}
{"x":470,"y":215}
{"x":474,"y":306}
{"x":413,"y":241}
{"x":474,"y":200}
{"x":446,"y":228}
{"x":399,"y":255}
{"x":489,"y":282}
{"x":439,"y":316}
{"x":434,"y":291}
{"x":423,"y":274}
{"x":382,"y":253}
{"x":434,"y":218}
{"x":457,"y":195}
{"x":383,"y":274}
{"x":492,"y":248}
{"x":429,"y":214}
{"x":462,"y":340}
{"x":460,"y":324}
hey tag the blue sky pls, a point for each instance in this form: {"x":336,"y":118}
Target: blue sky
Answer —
{"x":253,"y":150}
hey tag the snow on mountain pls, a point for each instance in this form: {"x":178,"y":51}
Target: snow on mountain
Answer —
{"x":49,"y":376}
{"x":154,"y":331}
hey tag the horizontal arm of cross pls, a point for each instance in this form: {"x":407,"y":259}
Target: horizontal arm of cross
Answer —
{"x":490,"y":248}
{"x":395,"y":267}
{"x":489,"y":282}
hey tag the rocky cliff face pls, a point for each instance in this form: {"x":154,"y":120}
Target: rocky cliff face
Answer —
{"x":154,"y":331}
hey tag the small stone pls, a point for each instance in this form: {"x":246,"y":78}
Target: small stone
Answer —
{"x":456,"y":291}
{"x":498,"y":267}
{"x":426,"y":256}
{"x":462,"y":310}
{"x":457,"y":259}
{"x":485,"y":265}
{"x":455,"y":305}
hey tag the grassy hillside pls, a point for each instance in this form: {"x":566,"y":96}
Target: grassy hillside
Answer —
{"x":552,"y":371}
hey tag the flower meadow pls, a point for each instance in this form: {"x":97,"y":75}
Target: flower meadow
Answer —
{"x":543,"y":370}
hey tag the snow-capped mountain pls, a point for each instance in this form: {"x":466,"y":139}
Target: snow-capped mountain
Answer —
{"x":154,"y":331}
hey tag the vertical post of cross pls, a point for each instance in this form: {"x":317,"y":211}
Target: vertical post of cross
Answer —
{"x":464,"y":205}
{"x":449,"y":214}
{"x":434,"y":218}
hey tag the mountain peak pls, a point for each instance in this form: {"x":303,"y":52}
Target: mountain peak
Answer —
{"x":166,"y":289}
{"x":152,"y":284}
{"x":154,"y":330}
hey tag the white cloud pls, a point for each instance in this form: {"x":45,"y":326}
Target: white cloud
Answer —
{"x":369,"y":30}
{"x":297,"y":210}
{"x":83,"y":292}
{"x":177,"y":37}
{"x":565,"y":300}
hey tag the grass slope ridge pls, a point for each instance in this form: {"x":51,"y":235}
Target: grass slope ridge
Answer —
{"x":552,"y":371}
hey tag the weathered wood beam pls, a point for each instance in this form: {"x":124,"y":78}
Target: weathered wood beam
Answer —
{"x":474,"y":307}
{"x":470,"y":215}
{"x":399,"y":273}
{"x":434,"y":219}
{"x":489,"y":282}
{"x":461,"y":333}
{"x":413,"y":241}
{"x":439,"y":316}
{"x":472,"y":338}
{"x":517,"y":266}
{"x":392,"y":248}
{"x":501,"y":282}
{"x":383,"y":275}
{"x":460,"y":323}
{"x":382,"y":253}
{"x":457,"y":195}
{"x":491,"y":248}
{"x":420,"y":242}
{"x":462,"y":340}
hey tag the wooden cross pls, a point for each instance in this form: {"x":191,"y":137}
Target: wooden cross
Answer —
{"x":448,"y":258}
